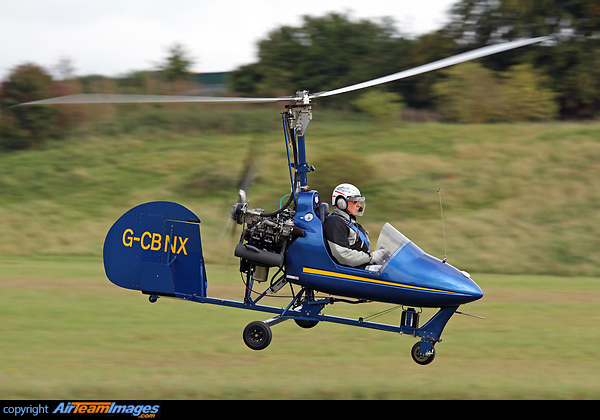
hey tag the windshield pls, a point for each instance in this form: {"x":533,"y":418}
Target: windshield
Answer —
{"x":391,"y":240}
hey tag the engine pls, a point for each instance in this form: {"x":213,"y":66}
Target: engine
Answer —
{"x":264,"y":240}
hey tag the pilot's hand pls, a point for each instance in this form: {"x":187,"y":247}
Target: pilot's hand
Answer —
{"x":377,"y":256}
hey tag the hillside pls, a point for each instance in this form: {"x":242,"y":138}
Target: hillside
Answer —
{"x":517,"y":198}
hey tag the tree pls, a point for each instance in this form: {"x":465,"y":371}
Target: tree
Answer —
{"x":470,"y":93}
{"x":381,"y":106}
{"x":64,"y":69}
{"x":177,"y":64}
{"x":418,"y":91}
{"x":26,"y":126}
{"x":571,"y":60}
{"x":324,"y":53}
{"x":525,"y":96}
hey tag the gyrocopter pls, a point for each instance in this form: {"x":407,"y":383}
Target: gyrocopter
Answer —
{"x":156,"y":247}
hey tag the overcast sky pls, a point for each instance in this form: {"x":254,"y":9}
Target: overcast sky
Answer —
{"x":115,"y":37}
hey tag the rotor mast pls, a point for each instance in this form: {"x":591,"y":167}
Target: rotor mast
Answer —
{"x":297,"y":118}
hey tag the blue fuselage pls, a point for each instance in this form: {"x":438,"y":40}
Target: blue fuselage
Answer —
{"x":409,"y":277}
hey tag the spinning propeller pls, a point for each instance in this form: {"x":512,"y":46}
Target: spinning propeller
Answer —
{"x":302,"y":97}
{"x":246,"y":182}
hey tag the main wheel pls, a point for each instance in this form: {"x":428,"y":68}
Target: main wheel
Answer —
{"x":257,"y":335}
{"x":306,"y":323}
{"x":422,"y":359}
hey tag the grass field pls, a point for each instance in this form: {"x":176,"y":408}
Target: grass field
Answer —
{"x":520,"y":201}
{"x":68,"y":333}
{"x":518,"y":198}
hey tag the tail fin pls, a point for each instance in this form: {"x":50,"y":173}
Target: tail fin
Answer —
{"x":156,"y":248}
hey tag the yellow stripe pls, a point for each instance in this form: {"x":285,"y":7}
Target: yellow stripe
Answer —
{"x":387,"y":283}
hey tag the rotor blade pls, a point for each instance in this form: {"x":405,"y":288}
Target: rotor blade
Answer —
{"x":91,"y":98}
{"x":96,"y":98}
{"x":436,"y":65}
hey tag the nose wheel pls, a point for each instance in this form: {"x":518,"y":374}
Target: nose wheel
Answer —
{"x":257,"y":335}
{"x":420,"y":358}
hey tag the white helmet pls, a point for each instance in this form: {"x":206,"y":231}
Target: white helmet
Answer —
{"x":347,"y":192}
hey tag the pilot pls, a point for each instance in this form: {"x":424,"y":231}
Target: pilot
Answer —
{"x":346,"y":240}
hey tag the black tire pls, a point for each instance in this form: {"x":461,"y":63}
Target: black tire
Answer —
{"x":305,"y":323}
{"x":421,"y":358}
{"x":257,"y":335}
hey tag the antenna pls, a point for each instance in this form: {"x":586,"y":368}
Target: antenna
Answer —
{"x":439,"y":190}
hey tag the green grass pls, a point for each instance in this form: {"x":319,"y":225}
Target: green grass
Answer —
{"x":518,"y":198}
{"x":68,"y":333}
{"x":520,"y":201}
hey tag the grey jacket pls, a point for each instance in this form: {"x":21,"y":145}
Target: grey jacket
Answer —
{"x":344,"y":243}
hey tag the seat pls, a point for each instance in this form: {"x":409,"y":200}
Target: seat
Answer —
{"x":323,"y":211}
